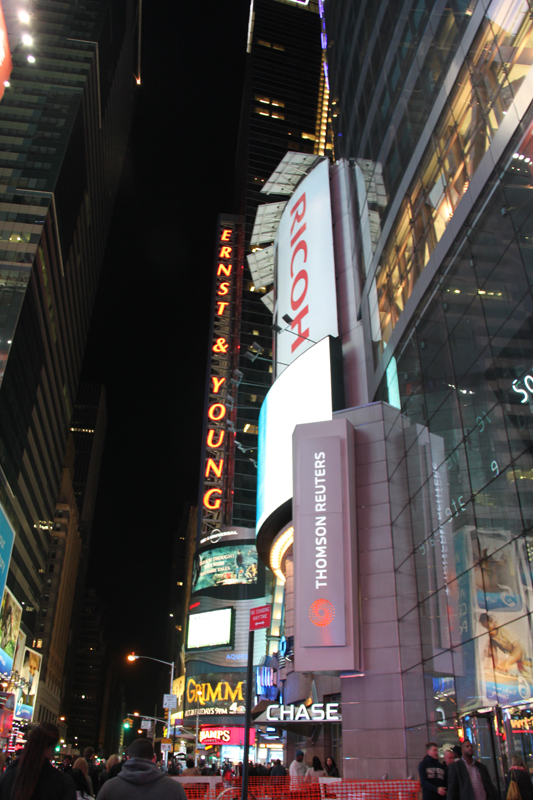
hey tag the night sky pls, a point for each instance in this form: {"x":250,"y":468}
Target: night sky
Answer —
{"x":148,"y":340}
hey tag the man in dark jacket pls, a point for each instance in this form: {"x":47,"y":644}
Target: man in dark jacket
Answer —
{"x":140,"y":778}
{"x":278,"y":770}
{"x":469,"y":779}
{"x":92,"y":769}
{"x":432,"y":774}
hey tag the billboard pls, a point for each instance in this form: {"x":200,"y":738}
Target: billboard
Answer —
{"x":178,"y":688}
{"x":6,"y":64}
{"x":7,"y":708}
{"x":211,"y":629}
{"x":225,"y":566}
{"x":7,"y":537}
{"x":305,"y":269}
{"x":10,"y":615}
{"x":303,"y":393}
{"x":216,"y":735}
{"x":221,"y":694}
{"x":26,"y":694}
{"x":326,"y":615}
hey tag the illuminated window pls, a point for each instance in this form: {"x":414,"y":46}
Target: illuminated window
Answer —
{"x":179,"y":583}
{"x":278,"y":103}
{"x":249,"y":428}
{"x":253,"y":398}
{"x":255,"y":333}
{"x":309,"y":136}
{"x":278,"y":116}
{"x":278,"y":47}
{"x":265,"y":44}
{"x":270,"y":369}
{"x":39,"y":644}
{"x":263,"y":99}
{"x":262,"y":112}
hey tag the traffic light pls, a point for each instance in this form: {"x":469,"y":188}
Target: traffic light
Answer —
{"x":58,"y":748}
{"x":127,"y":723}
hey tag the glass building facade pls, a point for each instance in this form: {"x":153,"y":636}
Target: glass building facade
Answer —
{"x":433,"y":109}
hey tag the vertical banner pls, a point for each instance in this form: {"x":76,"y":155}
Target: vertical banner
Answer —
{"x":7,"y":537}
{"x":26,"y":694}
{"x":10,"y":615}
{"x":326,"y":607}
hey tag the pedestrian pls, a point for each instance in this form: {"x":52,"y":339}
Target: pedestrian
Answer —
{"x":315,"y":771}
{"x":80,"y":781}
{"x":432,"y":774}
{"x":67,"y":762}
{"x":105,"y":775}
{"x":469,"y":779}
{"x":297,"y":770}
{"x":519,"y":775}
{"x":332,"y":770}
{"x":81,"y":763}
{"x":278,"y":770}
{"x":32,"y":777}
{"x":94,"y":772}
{"x":191,"y":770}
{"x":449,"y":757}
{"x":141,"y":778}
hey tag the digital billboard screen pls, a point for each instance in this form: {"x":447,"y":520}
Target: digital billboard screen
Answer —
{"x":211,"y":629}
{"x":220,"y":694}
{"x":225,"y":566}
{"x":27,"y":692}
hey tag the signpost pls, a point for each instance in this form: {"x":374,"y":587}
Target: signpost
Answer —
{"x":166,"y":748}
{"x":170,"y":701}
{"x":259,"y":618}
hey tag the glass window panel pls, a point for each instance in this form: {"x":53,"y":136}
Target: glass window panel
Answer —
{"x":414,"y":698}
{"x":409,"y":631}
{"x":523,"y":480}
{"x":467,"y":683}
{"x":487,"y":448}
{"x":406,"y":591}
{"x":434,"y":630}
{"x":440,"y":696}
{"x":468,"y":342}
{"x":496,"y":506}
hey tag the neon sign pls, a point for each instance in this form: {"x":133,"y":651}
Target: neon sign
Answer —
{"x":215,"y":493}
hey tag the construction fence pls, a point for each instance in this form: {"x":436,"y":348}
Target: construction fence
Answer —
{"x":287,"y":788}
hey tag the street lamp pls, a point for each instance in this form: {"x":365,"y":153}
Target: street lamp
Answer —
{"x":198,"y":695}
{"x":133,"y":657}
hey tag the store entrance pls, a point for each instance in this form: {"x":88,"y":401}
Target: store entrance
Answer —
{"x":485,"y":732}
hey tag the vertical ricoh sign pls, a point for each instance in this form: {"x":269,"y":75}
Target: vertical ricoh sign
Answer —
{"x":326,"y":632}
{"x":217,"y":409}
{"x":305,"y":269}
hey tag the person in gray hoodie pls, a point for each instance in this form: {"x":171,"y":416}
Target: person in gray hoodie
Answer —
{"x":141,"y":778}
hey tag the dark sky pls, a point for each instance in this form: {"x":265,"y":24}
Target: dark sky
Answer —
{"x":148,"y":340}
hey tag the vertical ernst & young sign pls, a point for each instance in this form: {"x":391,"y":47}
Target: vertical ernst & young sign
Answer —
{"x":219,"y":399}
{"x":326,"y":631}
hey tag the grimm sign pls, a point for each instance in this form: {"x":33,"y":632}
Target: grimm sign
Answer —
{"x":220,"y":402}
{"x":317,"y":712}
{"x":221,"y":694}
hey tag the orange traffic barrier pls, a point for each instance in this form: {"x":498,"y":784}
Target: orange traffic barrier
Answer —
{"x":287,"y":788}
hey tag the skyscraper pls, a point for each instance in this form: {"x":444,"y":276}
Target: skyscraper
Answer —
{"x":65,"y":119}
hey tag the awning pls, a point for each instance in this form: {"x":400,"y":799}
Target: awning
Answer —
{"x":289,"y":172}
{"x":266,"y":223}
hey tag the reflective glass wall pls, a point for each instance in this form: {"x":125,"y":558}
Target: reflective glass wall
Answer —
{"x":461,"y":475}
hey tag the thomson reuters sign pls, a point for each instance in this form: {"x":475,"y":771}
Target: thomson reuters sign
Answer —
{"x":325,"y":547}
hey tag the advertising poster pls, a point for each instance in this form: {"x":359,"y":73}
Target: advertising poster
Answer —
{"x":26,"y":694}
{"x":7,"y":708}
{"x":178,"y":688}
{"x":10,"y":615}
{"x":225,"y":566}
{"x":7,"y":537}
{"x":219,"y":693}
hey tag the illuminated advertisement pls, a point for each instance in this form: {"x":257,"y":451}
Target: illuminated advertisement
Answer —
{"x":496,"y":666}
{"x":7,"y":708}
{"x":224,"y":735}
{"x":211,"y":629}
{"x":303,"y":393}
{"x":217,"y":443}
{"x":305,"y":269}
{"x":10,"y":615}
{"x":6,"y":64}
{"x":7,"y":537}
{"x":220,"y":693}
{"x":225,"y":566}
{"x":178,"y":688}
{"x":26,"y":694}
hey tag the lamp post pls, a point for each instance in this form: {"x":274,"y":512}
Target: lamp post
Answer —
{"x":198,"y":695}
{"x":170,"y":664}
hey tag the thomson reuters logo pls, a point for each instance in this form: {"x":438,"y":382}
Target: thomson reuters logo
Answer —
{"x":322,"y":613}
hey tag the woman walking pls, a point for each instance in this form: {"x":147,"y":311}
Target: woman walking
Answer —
{"x":519,"y":773}
{"x":32,"y":777}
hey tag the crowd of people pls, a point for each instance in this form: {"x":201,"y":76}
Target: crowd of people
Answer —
{"x":461,"y":777}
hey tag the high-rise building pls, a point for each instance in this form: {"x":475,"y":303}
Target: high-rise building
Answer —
{"x":64,"y":120}
{"x":394,"y":500}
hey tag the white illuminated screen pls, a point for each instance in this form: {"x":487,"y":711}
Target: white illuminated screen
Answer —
{"x":301,"y":394}
{"x":209,"y":629}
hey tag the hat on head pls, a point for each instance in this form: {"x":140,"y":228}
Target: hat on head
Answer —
{"x":299,"y":753}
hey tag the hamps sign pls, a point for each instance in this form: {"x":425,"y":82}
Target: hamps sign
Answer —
{"x":305,"y":269}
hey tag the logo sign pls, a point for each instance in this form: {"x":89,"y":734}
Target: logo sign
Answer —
{"x":260,"y":618}
{"x":305,"y":273}
{"x":225,"y":735}
{"x":220,"y":693}
{"x":146,"y":725}
{"x":326,"y":616}
{"x":165,"y":748}
{"x":318,"y":712}
{"x":320,"y":532}
{"x":170,"y":701}
{"x":220,"y":399}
